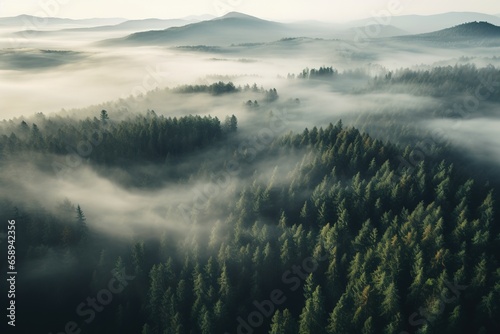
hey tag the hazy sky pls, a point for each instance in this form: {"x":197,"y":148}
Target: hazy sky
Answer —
{"x":331,"y":10}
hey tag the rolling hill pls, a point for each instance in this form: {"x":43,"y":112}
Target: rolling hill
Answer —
{"x":35,"y":22}
{"x":237,"y":28}
{"x":127,"y":26}
{"x":419,"y":24}
{"x":228,"y":29}
{"x":466,"y":31}
{"x":467,"y":34}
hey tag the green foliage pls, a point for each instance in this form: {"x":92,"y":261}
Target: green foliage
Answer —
{"x":321,"y":73}
{"x":368,"y":245}
{"x":217,"y":88}
{"x":440,"y":81}
{"x":151,"y":138}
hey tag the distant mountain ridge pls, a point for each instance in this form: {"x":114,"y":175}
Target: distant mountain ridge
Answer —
{"x":467,"y":30}
{"x":238,"y":28}
{"x":131,"y":25}
{"x":462,"y":32}
{"x":43,"y":24}
{"x":419,"y":24}
{"x":36,"y":22}
{"x":467,"y":34}
{"x":230,"y":28}
{"x":236,"y":15}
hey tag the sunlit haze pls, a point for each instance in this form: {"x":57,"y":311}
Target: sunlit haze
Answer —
{"x":250,"y":166}
{"x":325,"y":10}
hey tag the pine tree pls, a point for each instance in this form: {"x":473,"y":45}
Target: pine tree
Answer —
{"x":104,"y":116}
{"x":277,"y":324}
{"x":341,"y":316}
{"x":390,"y":302}
{"x":305,"y":214}
{"x":138,"y":258}
{"x":487,"y":211}
{"x":220,"y":315}
{"x":176,"y":326}
{"x":155,"y":296}
{"x":312,"y":316}
{"x":286,"y":253}
{"x":224,"y":284}
{"x":81,"y":224}
{"x":206,"y":321}
{"x":283,"y":323}
{"x":480,"y":274}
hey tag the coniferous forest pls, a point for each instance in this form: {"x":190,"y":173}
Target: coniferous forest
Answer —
{"x":348,"y":239}
{"x":233,"y":175}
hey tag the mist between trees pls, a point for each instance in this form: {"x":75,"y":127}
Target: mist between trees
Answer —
{"x":391,"y":237}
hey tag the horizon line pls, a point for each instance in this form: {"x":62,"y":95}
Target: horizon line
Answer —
{"x":238,"y":12}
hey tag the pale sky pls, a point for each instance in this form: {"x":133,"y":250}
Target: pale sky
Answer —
{"x":284,"y":10}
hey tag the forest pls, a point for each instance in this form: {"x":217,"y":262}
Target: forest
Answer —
{"x":344,"y":240}
{"x":266,"y":172}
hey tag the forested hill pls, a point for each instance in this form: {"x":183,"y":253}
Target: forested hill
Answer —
{"x":442,"y":81}
{"x":343,"y":240}
{"x":464,"y":35}
{"x":467,"y":30}
{"x":140,"y":138}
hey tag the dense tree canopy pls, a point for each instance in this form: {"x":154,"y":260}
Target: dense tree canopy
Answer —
{"x":344,"y":241}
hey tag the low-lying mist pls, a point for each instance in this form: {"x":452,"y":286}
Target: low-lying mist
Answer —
{"x":58,"y":71}
{"x":199,"y":168}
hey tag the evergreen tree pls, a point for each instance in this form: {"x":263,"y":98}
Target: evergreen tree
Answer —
{"x":81,"y":224}
{"x":283,"y":323}
{"x":312,"y":316}
{"x":104,"y":116}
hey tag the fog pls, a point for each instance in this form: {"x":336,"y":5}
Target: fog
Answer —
{"x":56,"y":74}
{"x":76,"y":73}
{"x":196,"y":136}
{"x":46,"y":72}
{"x":477,"y":137}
